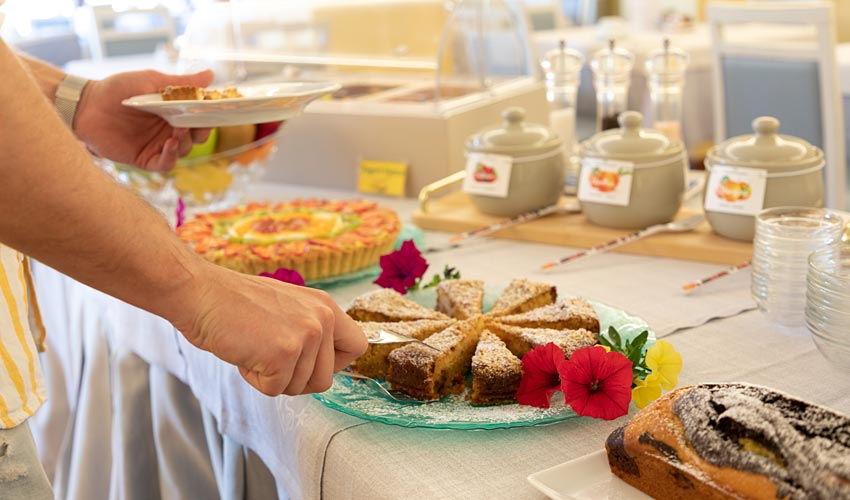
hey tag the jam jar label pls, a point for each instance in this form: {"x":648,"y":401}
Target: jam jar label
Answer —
{"x":488,"y":174}
{"x":735,"y":190}
{"x":606,"y":181}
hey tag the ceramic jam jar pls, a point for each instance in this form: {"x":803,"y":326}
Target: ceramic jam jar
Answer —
{"x":631,"y":178}
{"x":785,"y":170}
{"x":530,"y":153}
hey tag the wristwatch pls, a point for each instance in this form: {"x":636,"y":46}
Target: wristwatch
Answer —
{"x":68,"y":96}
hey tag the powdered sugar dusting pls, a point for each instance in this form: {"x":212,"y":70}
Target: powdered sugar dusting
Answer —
{"x":451,"y":412}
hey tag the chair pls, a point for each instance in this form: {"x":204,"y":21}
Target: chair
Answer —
{"x":134,"y":31}
{"x":793,"y":77}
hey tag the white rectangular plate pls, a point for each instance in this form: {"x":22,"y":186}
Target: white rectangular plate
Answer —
{"x":585,"y":478}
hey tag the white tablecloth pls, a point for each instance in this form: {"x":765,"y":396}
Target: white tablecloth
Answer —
{"x":315,"y":452}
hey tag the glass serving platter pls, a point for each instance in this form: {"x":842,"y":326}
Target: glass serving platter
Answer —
{"x":455,"y":411}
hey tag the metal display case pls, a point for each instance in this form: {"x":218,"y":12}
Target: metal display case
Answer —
{"x":418,"y":77}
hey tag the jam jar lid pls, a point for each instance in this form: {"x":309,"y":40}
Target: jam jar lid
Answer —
{"x":631,"y":142}
{"x":514,"y":136}
{"x":766,"y":148}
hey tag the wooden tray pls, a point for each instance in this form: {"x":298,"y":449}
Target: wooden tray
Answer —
{"x":455,"y":213}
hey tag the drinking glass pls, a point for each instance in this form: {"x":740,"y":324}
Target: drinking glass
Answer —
{"x":828,"y":302}
{"x":785,"y":237}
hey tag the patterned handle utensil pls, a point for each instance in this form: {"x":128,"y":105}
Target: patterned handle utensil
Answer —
{"x":726,"y":272}
{"x":685,"y":224}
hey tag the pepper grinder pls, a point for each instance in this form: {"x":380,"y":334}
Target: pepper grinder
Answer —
{"x":612,"y":74}
{"x":665,"y":70}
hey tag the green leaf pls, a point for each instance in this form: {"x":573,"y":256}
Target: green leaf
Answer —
{"x":641,"y":339}
{"x":604,"y":341}
{"x":450,"y":273}
{"x":434,"y":282}
{"x":614,"y":335}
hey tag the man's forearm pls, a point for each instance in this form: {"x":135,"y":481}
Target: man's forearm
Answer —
{"x":60,"y":209}
{"x":46,"y":76}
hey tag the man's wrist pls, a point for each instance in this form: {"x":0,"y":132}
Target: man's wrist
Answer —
{"x":68,"y":96}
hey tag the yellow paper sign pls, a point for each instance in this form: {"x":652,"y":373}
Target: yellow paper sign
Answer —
{"x":382,"y":177}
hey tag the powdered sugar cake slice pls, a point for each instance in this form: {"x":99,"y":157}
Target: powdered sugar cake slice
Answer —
{"x":523,"y":295}
{"x":432,"y":373}
{"x":386,"y":305}
{"x":373,"y":363}
{"x":460,"y":299}
{"x":520,"y":340}
{"x":572,"y":314}
{"x":496,"y":372}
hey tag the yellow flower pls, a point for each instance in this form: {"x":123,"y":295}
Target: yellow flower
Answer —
{"x":664,"y":362}
{"x":607,"y":349}
{"x":646,"y":391}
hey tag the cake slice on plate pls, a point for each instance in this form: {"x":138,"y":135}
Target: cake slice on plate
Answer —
{"x":572,"y":314}
{"x":520,"y":339}
{"x":373,"y":363}
{"x":386,"y":305}
{"x":523,"y":295}
{"x":460,"y":299}
{"x":496,"y":372}
{"x":429,"y":374}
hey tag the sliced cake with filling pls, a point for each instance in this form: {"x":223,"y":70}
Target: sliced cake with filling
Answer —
{"x":373,"y":363}
{"x":523,"y":295}
{"x":430,"y":373}
{"x":460,"y":299}
{"x":496,"y":372}
{"x":520,"y":339}
{"x":572,"y":314}
{"x":387,"y":305}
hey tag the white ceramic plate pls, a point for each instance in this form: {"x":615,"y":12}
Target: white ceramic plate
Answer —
{"x":269,"y":102}
{"x":585,"y":478}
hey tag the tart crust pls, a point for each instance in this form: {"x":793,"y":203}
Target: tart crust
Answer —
{"x":352,"y":247}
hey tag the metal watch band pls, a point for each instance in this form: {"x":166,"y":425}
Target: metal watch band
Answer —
{"x":68,"y":96}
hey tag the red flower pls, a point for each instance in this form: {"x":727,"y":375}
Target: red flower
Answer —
{"x":180,"y":212}
{"x":401,"y":269}
{"x":286,"y":275}
{"x":597,"y":383}
{"x":540,"y":375}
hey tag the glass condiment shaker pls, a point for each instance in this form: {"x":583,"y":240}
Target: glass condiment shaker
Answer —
{"x":665,"y":70}
{"x":612,"y":74}
{"x":562,"y":75}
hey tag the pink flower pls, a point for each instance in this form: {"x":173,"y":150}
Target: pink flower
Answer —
{"x":597,"y":383}
{"x":540,"y":375}
{"x":401,"y":269}
{"x":286,"y":275}
{"x":180,"y":212}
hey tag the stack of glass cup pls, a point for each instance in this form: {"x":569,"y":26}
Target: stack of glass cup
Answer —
{"x":785,"y":237}
{"x":828,"y":302}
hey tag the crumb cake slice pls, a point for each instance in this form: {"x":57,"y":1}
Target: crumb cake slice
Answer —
{"x":572,"y":314}
{"x":460,"y":299}
{"x":181,"y":93}
{"x":523,"y":295}
{"x":373,"y":363}
{"x":387,"y":305}
{"x":520,"y":340}
{"x":496,"y":372}
{"x":429,"y":374}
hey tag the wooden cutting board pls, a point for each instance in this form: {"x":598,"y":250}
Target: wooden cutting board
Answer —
{"x":455,"y":213}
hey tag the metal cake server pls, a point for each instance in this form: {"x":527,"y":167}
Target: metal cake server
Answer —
{"x":391,"y":393}
{"x":388,"y":337}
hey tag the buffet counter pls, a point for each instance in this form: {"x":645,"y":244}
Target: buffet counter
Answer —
{"x":130,"y":400}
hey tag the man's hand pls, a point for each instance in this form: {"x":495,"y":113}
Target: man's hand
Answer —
{"x":284,"y":338}
{"x":132,"y":136}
